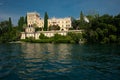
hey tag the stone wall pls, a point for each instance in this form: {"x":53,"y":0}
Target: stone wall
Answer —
{"x":36,"y":35}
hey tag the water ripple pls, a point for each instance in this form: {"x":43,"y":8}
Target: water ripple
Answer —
{"x":28,"y":61}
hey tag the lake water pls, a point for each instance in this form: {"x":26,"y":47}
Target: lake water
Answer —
{"x":28,"y":61}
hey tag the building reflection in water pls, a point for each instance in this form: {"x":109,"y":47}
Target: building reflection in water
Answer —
{"x":43,"y":58}
{"x":46,"y":51}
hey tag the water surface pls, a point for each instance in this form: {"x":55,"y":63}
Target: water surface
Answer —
{"x":28,"y":61}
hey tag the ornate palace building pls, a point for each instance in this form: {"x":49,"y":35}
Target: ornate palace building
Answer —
{"x":33,"y":18}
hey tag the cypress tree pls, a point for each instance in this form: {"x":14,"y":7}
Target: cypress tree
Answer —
{"x":82,"y":22}
{"x":21,"y":23}
{"x":45,"y":22}
{"x":26,"y":19}
{"x":10,"y":24}
{"x":81,"y":17}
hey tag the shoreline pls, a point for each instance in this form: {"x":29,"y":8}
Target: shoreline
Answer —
{"x":17,"y":42}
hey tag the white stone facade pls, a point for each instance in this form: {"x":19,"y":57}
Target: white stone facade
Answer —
{"x":33,"y":18}
{"x":30,"y":32}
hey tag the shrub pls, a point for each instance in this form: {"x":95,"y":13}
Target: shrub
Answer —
{"x":105,"y":40}
{"x":54,"y":27}
{"x":113,"y":38}
{"x":42,"y":36}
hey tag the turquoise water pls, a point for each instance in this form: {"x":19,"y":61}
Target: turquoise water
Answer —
{"x":28,"y":61}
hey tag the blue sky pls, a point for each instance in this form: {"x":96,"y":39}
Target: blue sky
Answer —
{"x":57,"y":8}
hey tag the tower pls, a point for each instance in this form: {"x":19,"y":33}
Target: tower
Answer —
{"x":33,"y":18}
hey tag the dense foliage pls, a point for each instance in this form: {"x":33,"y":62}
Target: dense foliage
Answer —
{"x":104,"y":29}
{"x":54,"y":27}
{"x":38,"y":29}
{"x":22,"y":23}
{"x":100,"y":29}
{"x":8,"y":33}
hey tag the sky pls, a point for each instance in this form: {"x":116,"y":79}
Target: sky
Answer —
{"x":57,"y":8}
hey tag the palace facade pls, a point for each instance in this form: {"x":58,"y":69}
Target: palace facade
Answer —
{"x":33,"y":18}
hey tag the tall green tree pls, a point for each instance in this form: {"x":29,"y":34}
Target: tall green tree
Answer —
{"x":81,"y":19}
{"x":82,"y":23}
{"x":10,"y":24}
{"x":45,"y":22}
{"x":3,"y":27}
{"x":75,"y":24}
{"x":25,"y":20}
{"x":7,"y":32}
{"x":81,"y":16}
{"x":21,"y":22}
